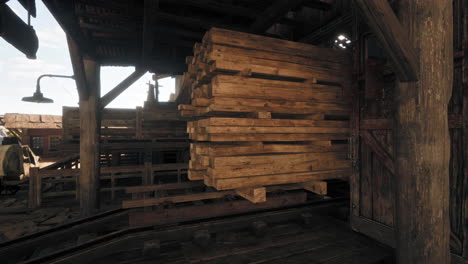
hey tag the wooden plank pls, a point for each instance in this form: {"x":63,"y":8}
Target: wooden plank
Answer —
{"x":235,"y":161}
{"x":318,"y":187}
{"x":383,"y":156}
{"x":253,"y":194}
{"x":268,"y":137}
{"x":393,"y":37}
{"x":250,"y":122}
{"x":195,"y":175}
{"x":273,"y":45}
{"x":274,"y":130}
{"x":235,"y":183}
{"x":276,"y":69}
{"x":168,"y":186}
{"x":229,"y":104}
{"x":286,"y":166}
{"x":215,"y":52}
{"x":175,"y":199}
{"x":376,"y":124}
{"x":233,"y":150}
{"x":176,"y":215}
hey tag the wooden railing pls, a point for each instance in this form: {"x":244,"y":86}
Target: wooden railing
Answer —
{"x":43,"y":181}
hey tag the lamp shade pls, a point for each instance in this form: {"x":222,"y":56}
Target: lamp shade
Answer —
{"x":37,"y":98}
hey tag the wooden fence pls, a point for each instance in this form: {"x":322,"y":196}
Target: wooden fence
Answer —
{"x":43,"y":181}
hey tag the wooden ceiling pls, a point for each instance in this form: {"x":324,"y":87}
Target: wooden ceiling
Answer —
{"x":159,"y":34}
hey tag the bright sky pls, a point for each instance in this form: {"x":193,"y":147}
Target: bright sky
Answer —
{"x":18,"y":74}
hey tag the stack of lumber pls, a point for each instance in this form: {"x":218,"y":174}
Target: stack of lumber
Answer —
{"x":160,"y":122}
{"x":268,"y":112}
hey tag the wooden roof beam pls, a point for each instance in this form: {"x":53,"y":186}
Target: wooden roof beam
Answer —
{"x":393,"y":38}
{"x":76,"y":59}
{"x":216,"y":6}
{"x":317,"y":4}
{"x":121,"y":87}
{"x":272,"y":14}
{"x":150,"y":11}
{"x":326,"y":30}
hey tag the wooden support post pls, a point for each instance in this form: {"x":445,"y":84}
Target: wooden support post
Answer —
{"x":465,"y":130}
{"x":317,"y":187}
{"x":112,"y":178}
{"x":148,"y":161}
{"x":138,"y":123}
{"x":89,"y":140}
{"x":421,"y":136}
{"x":35,"y":188}
{"x":254,"y":194}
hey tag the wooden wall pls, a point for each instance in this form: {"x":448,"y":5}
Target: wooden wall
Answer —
{"x":373,"y":183}
{"x":161,"y":122}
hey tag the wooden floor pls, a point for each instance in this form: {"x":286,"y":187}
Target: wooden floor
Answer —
{"x":323,"y":240}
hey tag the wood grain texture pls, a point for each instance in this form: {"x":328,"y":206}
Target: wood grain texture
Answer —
{"x":89,"y":140}
{"x":422,"y":143}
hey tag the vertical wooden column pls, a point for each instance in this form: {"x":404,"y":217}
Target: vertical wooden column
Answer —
{"x":148,"y":174}
{"x":89,"y":140}
{"x":422,"y":143}
{"x":139,"y":123}
{"x":35,"y":188}
{"x":465,"y":129}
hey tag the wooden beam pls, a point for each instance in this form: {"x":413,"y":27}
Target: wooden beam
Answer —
{"x":217,"y":6}
{"x":121,"y":87}
{"x":78,"y":68}
{"x":421,"y":134}
{"x":35,"y":188}
{"x":465,"y":129}
{"x":150,"y":12}
{"x":326,"y":30}
{"x":317,"y":187}
{"x":380,"y":153}
{"x":273,"y":13}
{"x":317,"y":4}
{"x":89,"y":140}
{"x":392,"y":36}
{"x":253,"y":194}
{"x":179,"y":214}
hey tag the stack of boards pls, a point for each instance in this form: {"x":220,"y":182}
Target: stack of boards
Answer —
{"x":266,"y":112}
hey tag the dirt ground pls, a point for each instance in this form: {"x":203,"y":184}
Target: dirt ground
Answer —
{"x":17,"y":220}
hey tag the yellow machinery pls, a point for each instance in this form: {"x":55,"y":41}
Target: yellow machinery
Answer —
{"x":11,"y":162}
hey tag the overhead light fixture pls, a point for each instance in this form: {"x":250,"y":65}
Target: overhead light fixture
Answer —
{"x":38,"y":97}
{"x":342,"y":42}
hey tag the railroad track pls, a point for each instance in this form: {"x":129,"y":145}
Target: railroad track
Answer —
{"x":111,"y":242}
{"x":42,"y":243}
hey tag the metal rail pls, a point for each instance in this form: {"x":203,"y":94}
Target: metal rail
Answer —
{"x":135,"y":236}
